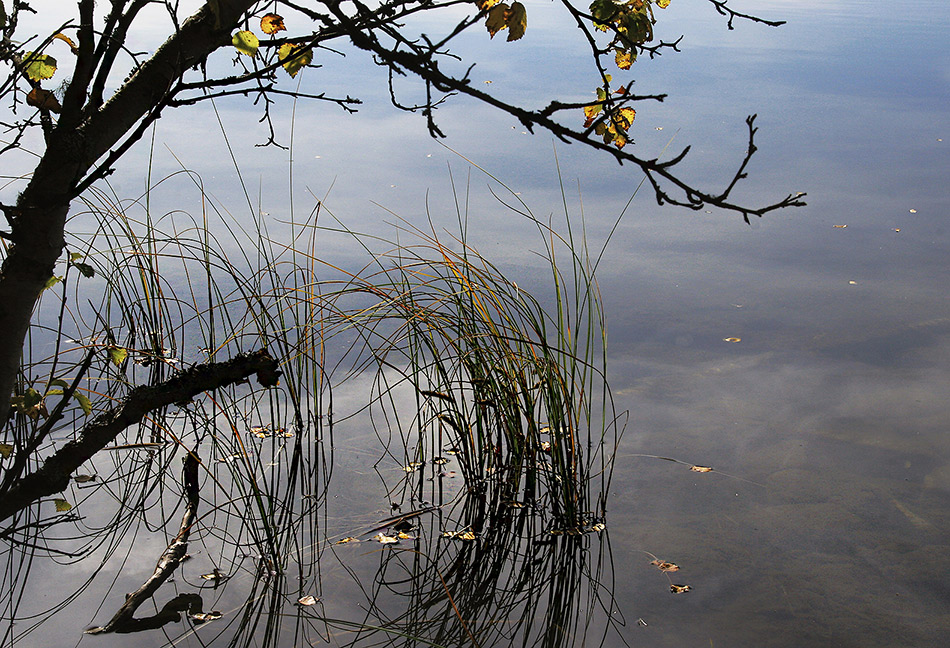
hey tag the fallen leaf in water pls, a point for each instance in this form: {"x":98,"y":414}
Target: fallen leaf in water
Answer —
{"x":402,"y":535}
{"x":265,"y":431}
{"x":62,"y":505}
{"x":382,"y":538}
{"x":853,"y":283}
{"x":702,"y":469}
{"x":680,"y":589}
{"x":439,"y":461}
{"x":545,"y":446}
{"x":307,"y":600}
{"x":215,"y":575}
{"x":897,"y":229}
{"x":82,"y":479}
{"x":347,"y":540}
{"x":733,"y":340}
{"x":459,"y":535}
{"x":913,"y":211}
{"x":664,"y":566}
{"x":600,"y":526}
{"x":204,"y":617}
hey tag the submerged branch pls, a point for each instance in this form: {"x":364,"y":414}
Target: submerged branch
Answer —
{"x":123,"y":621}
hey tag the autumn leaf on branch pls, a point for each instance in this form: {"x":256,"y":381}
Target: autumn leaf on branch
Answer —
{"x":294,"y":57}
{"x":514,"y":18}
{"x":272,"y":23}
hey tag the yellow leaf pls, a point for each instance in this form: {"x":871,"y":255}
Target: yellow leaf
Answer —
{"x":272,"y":23}
{"x":294,"y":57}
{"x":307,"y":600}
{"x":347,"y":540}
{"x":69,"y":41}
{"x":732,"y":339}
{"x":62,"y":505}
{"x":680,"y":589}
{"x":663,"y":4}
{"x":664,"y":566}
{"x":701,"y":469}
{"x":624,"y":59}
{"x":246,"y":43}
{"x":6,"y":450}
{"x":484,"y":5}
{"x":382,"y":538}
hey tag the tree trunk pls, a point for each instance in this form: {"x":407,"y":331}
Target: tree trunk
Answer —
{"x":39,"y":217}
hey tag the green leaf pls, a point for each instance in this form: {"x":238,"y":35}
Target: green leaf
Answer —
{"x":39,"y":66}
{"x":495,"y":21}
{"x":62,"y":505}
{"x":5,"y":448}
{"x":58,"y":382}
{"x":86,"y":269}
{"x":84,"y":403}
{"x":603,"y":11}
{"x":246,"y":42}
{"x":294,"y":57}
{"x":52,"y":281}
{"x":117,"y":355}
{"x":517,"y":20}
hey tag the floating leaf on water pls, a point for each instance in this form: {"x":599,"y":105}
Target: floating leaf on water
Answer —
{"x":265,"y":432}
{"x":600,"y":526}
{"x":307,"y":600}
{"x":347,"y":540}
{"x":382,"y":538}
{"x":701,"y":469}
{"x":468,"y":536}
{"x":451,"y":451}
{"x":641,"y":622}
{"x":514,"y":504}
{"x":913,"y":211}
{"x":897,"y":229}
{"x":6,"y":450}
{"x":272,"y":23}
{"x":440,"y":461}
{"x":230,"y":458}
{"x":852,"y":283}
{"x":664,"y":566}
{"x":414,"y":466}
{"x":82,"y":479}
{"x":545,"y":446}
{"x":117,"y":355}
{"x":732,"y":339}
{"x":62,"y":505}
{"x":680,"y":589}
{"x":204,"y":617}
{"x":402,"y":535}
{"x":839,"y":226}
{"x":215,"y":575}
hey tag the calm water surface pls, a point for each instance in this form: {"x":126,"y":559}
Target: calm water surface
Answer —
{"x":827,"y":517}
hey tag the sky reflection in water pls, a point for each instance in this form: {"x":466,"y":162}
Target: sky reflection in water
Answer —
{"x":826,"y":518}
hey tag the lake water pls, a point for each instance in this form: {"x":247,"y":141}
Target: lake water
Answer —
{"x":827,"y":516}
